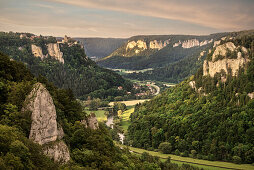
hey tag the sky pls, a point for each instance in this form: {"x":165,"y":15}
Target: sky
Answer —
{"x":125,"y":18}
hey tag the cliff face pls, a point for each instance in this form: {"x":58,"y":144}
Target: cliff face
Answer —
{"x":192,"y":43}
{"x":54,"y":51}
{"x":91,"y":122}
{"x":37,"y":51}
{"x":44,"y":128}
{"x":216,"y":66}
{"x":158,"y":44}
{"x":140,"y":44}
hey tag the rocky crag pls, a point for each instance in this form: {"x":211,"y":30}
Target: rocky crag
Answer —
{"x":44,"y":128}
{"x":91,"y":122}
{"x":220,"y":61}
{"x":53,"y":51}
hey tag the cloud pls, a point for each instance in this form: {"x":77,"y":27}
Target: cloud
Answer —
{"x":219,"y":14}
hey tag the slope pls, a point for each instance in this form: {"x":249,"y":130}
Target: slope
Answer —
{"x":64,"y":63}
{"x":208,"y":116}
{"x":97,"y":48}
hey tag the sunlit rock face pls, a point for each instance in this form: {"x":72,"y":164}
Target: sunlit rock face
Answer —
{"x":251,"y":95}
{"x":91,"y":122}
{"x":58,"y":151}
{"x":37,"y":51}
{"x":54,"y":51}
{"x":140,"y":44}
{"x":158,"y":44}
{"x":192,"y":43}
{"x":44,"y":129}
{"x":216,"y":66}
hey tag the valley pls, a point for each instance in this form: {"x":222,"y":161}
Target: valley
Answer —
{"x":126,"y":85}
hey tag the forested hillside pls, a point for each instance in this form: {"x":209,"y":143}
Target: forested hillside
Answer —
{"x":78,"y":72}
{"x":153,"y":51}
{"x":208,"y":116}
{"x":89,"y":149}
{"x":100,"y":47}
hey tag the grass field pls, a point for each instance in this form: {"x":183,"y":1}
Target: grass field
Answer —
{"x":125,"y":121}
{"x":210,"y":165}
{"x":130,"y":102}
{"x":100,"y":115}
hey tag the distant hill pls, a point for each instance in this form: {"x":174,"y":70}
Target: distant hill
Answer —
{"x":96,"y":48}
{"x":153,"y":51}
{"x":64,"y":63}
{"x":209,"y":115}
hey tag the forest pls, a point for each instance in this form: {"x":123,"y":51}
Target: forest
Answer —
{"x":90,"y":149}
{"x":78,"y":73}
{"x":215,"y":123}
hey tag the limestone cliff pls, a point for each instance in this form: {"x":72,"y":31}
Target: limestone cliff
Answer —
{"x":37,"y":51}
{"x":91,"y":122}
{"x":226,"y":64}
{"x":158,"y":44}
{"x":44,"y":128}
{"x":54,"y":51}
{"x":140,"y":44}
{"x":192,"y":43}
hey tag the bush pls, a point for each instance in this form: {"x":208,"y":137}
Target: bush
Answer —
{"x":165,"y":147}
{"x":177,"y":152}
{"x":237,"y":160}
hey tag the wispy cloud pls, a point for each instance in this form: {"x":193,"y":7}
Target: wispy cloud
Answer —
{"x":222,"y":14}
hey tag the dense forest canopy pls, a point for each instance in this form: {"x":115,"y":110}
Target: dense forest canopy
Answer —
{"x":89,"y":149}
{"x":78,"y":73}
{"x":214,"y":123}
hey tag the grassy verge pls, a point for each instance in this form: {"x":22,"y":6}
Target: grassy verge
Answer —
{"x":125,"y":119}
{"x":195,"y":162}
{"x":130,"y":102}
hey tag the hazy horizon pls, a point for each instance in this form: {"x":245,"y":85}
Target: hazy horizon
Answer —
{"x":123,"y":19}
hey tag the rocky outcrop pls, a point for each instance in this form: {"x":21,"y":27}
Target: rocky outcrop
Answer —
{"x":251,"y":95}
{"x":37,"y":51}
{"x":216,"y":43}
{"x":158,"y":44}
{"x":44,"y":128}
{"x":58,"y":151}
{"x":54,"y":51}
{"x":192,"y":43}
{"x":177,"y":44}
{"x":223,"y":49}
{"x":140,"y":44}
{"x":91,"y":122}
{"x":212,"y":67}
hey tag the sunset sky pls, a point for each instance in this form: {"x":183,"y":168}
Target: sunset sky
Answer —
{"x":125,"y":18}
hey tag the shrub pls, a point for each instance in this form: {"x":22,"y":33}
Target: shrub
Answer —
{"x":237,"y":160}
{"x":177,"y":152}
{"x":165,"y":147}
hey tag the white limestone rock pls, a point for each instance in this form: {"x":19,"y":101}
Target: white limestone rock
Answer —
{"x":222,"y":49}
{"x":158,"y":44}
{"x":37,"y":51}
{"x":212,"y":67}
{"x":54,"y":51}
{"x":251,"y":95}
{"x":190,"y":43}
{"x":44,"y":127}
{"x":140,"y":44}
{"x":58,"y":151}
{"x":91,"y":122}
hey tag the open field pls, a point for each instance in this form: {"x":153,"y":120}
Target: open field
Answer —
{"x":210,"y":165}
{"x":100,"y":115}
{"x":125,"y":120}
{"x":130,"y":103}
